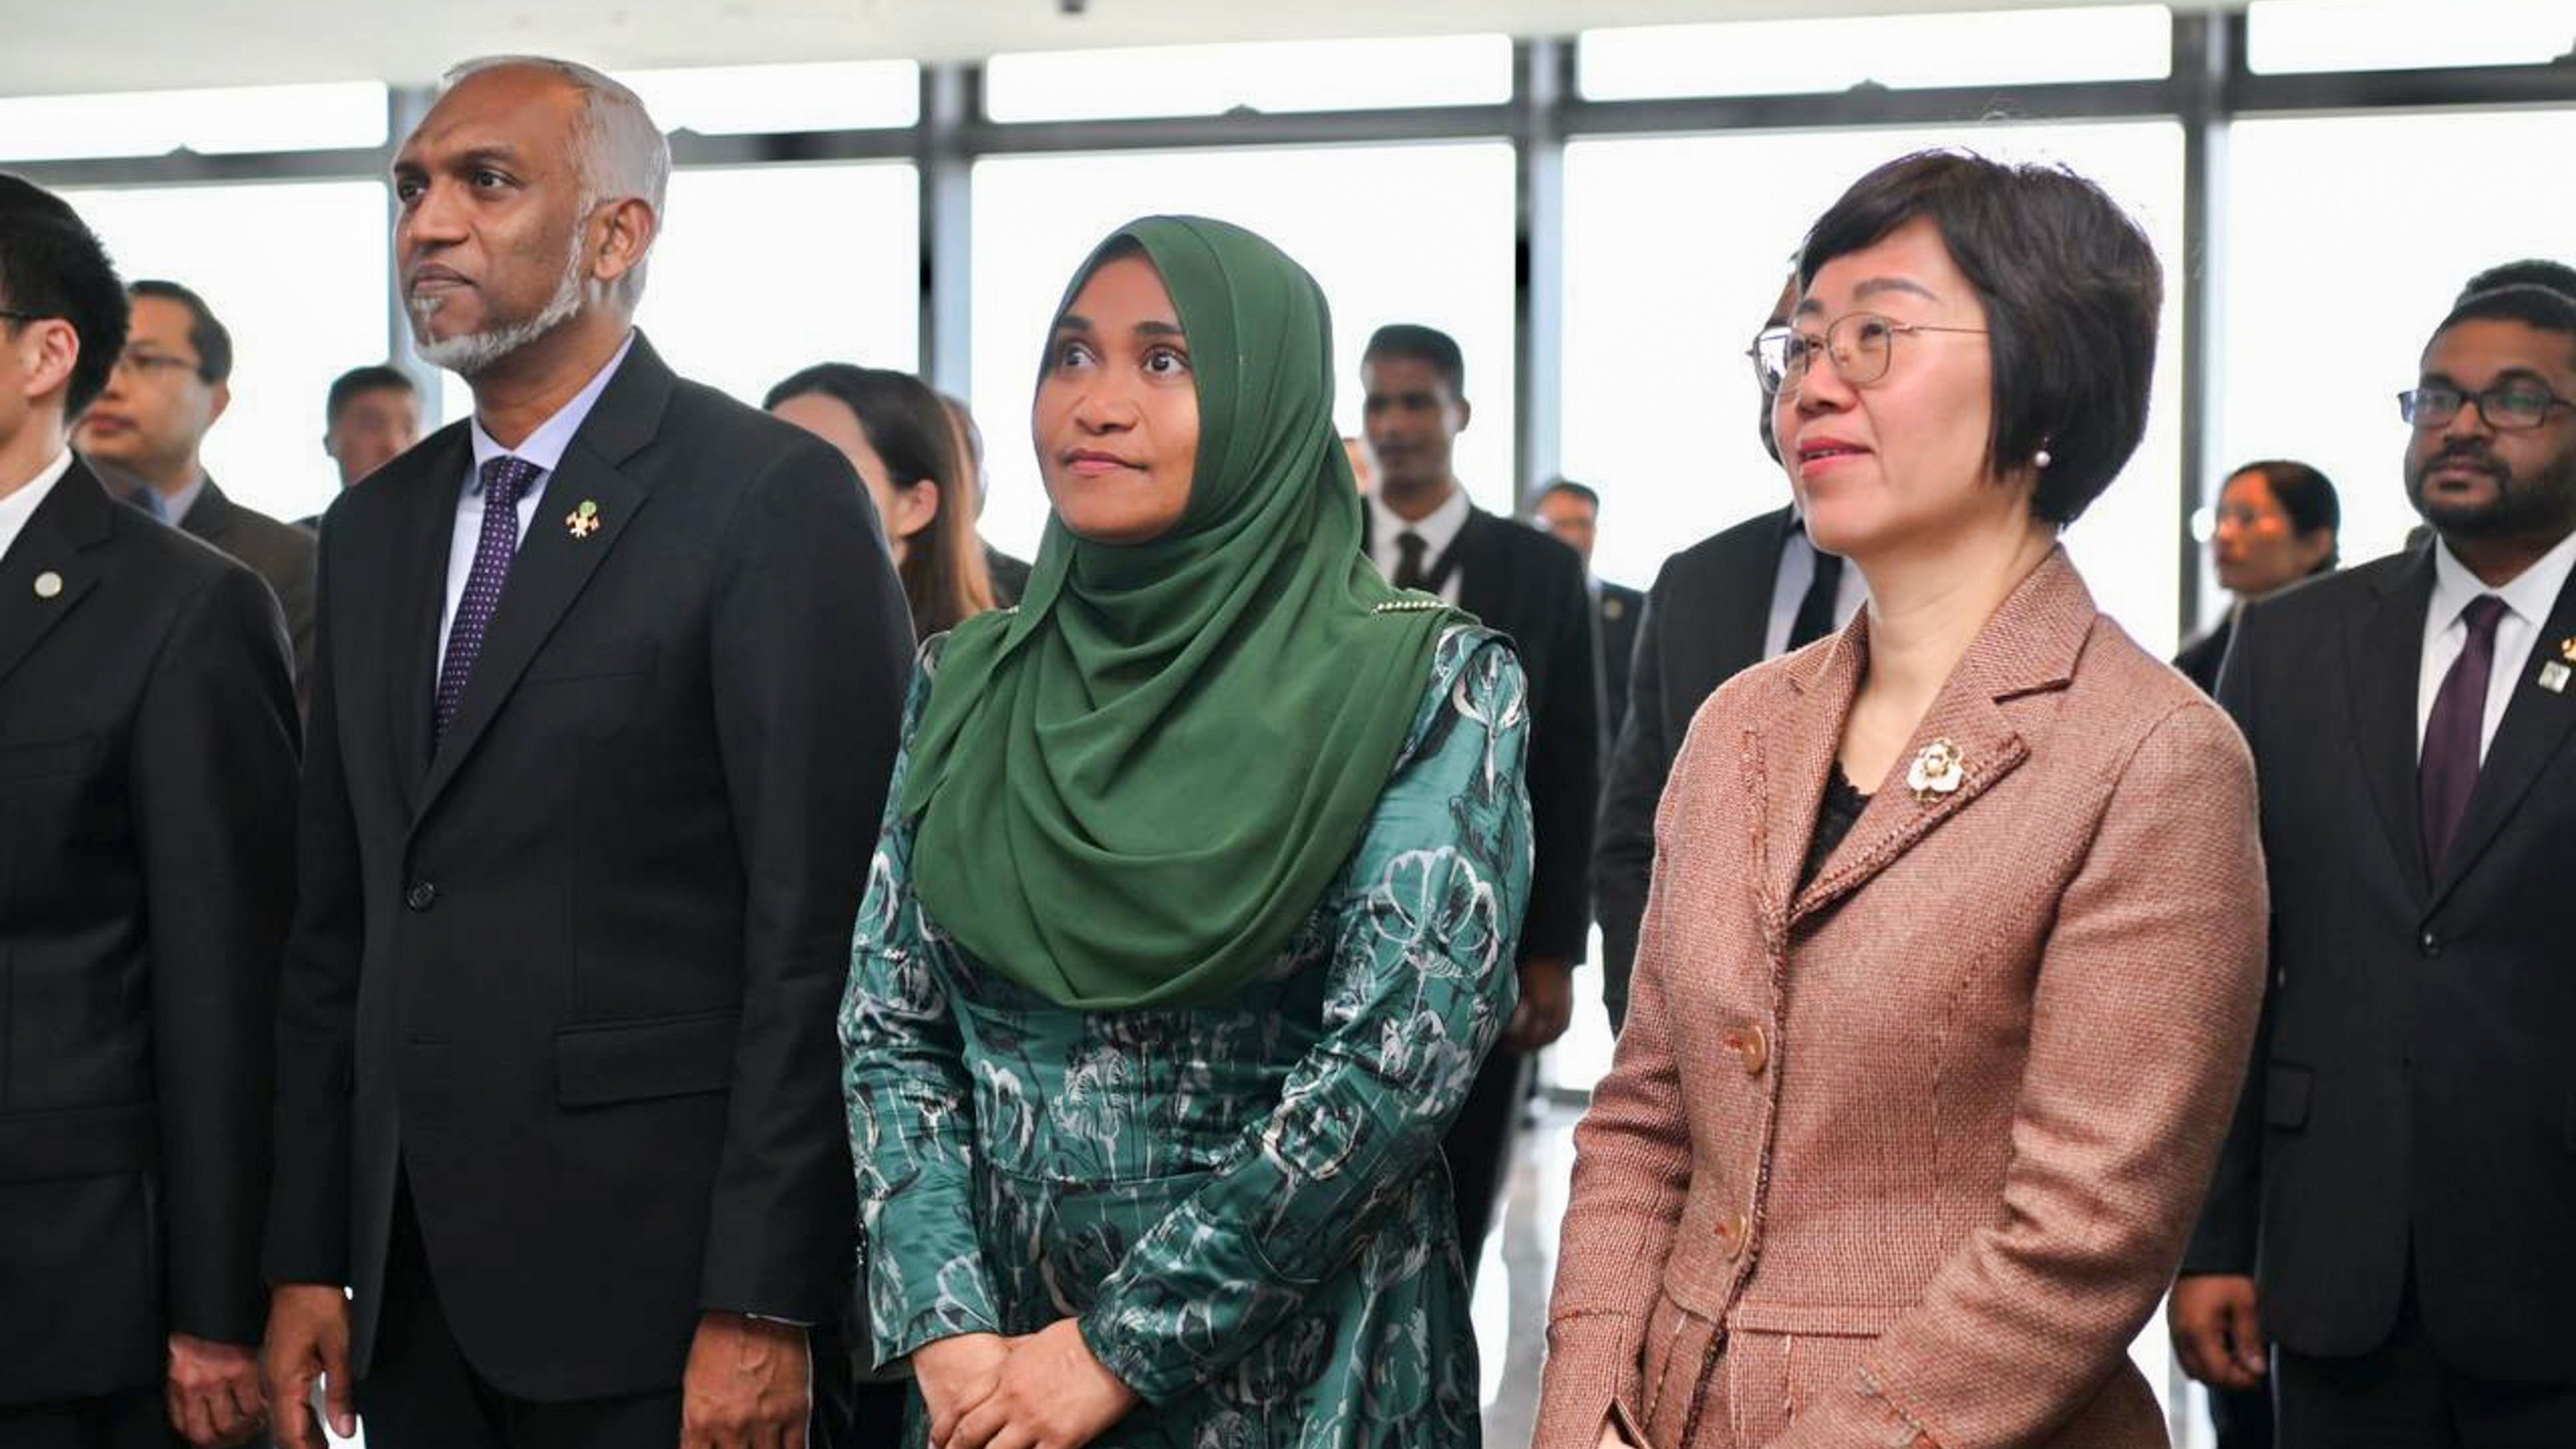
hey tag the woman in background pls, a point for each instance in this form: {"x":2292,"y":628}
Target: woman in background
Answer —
{"x":897,"y":434}
{"x":2277,"y":524}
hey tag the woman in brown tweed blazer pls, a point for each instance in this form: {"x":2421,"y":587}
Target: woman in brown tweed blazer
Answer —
{"x":1921,"y":1087}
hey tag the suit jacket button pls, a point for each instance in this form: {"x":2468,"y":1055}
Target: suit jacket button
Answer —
{"x":1730,"y":1234}
{"x":421,"y":896}
{"x":1755,"y":1047}
{"x":2429,"y":944}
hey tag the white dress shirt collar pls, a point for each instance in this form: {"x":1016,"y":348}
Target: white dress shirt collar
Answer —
{"x":2528,"y":597}
{"x":22,"y":504}
{"x":545,"y":446}
{"x":2531,"y":594}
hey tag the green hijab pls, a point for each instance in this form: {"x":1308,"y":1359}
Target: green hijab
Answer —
{"x":1134,"y":788}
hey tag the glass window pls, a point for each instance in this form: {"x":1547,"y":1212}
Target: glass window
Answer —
{"x":1393,"y":234}
{"x":149,"y":123}
{"x":1208,"y":80}
{"x":1788,"y":57}
{"x":826,"y":96}
{"x":296,"y":272}
{"x":2320,"y":335}
{"x":2320,"y":35}
{"x":1672,"y":266}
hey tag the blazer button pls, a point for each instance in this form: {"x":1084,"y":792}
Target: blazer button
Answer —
{"x":2430,"y":944}
{"x":421,"y":896}
{"x":1754,"y":1046}
{"x":1730,"y":1234}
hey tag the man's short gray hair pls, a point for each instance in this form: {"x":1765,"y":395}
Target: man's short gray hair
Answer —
{"x":623,"y":154}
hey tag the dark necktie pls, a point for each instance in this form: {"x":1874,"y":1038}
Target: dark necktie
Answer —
{"x":504,"y":479}
{"x":1409,"y":549}
{"x":2448,"y":770}
{"x":1815,"y":617}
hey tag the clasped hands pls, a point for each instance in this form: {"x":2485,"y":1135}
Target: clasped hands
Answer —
{"x":1043,"y":1390}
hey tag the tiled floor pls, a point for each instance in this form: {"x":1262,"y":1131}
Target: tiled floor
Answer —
{"x":1512,"y":1286}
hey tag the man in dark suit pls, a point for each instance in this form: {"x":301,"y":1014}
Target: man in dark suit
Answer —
{"x":146,"y":435}
{"x":1426,"y":535}
{"x":147,"y":772}
{"x":1717,"y":608}
{"x":605,"y":703}
{"x":1572,"y":512}
{"x":2392,"y":1207}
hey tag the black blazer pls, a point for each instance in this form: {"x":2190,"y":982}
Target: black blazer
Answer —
{"x":1706,"y":619}
{"x":1620,"y":610}
{"x":575,"y":974}
{"x":1530,"y":586}
{"x":2411,"y":1092}
{"x":280,"y":553}
{"x":2199,"y":659}
{"x":147,"y":786}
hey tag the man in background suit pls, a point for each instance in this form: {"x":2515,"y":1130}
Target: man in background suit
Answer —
{"x":147,"y":432}
{"x":606,"y":699}
{"x":147,"y":775}
{"x":2392,"y":1207}
{"x":1426,"y":535}
{"x":1717,"y":608}
{"x":1572,"y":512}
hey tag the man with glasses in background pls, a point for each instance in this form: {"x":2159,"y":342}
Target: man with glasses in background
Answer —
{"x":2392,"y":1207}
{"x":146,"y":433}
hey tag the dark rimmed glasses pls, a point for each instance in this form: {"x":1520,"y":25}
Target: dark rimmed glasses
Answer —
{"x":1862,"y":345}
{"x":2507,"y":406}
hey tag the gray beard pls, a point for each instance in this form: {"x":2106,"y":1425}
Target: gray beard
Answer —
{"x":470,"y":353}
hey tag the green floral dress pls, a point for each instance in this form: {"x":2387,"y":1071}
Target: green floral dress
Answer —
{"x":1243,"y":1203}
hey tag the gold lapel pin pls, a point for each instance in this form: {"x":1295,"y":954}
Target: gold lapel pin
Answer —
{"x":49,"y":585}
{"x":1936,"y":771}
{"x":2567,"y":650}
{"x":582,"y":522}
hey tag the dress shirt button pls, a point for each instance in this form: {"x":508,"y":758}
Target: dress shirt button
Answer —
{"x":421,"y":896}
{"x":2430,"y":944}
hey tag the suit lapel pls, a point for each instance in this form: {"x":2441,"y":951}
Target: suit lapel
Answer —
{"x":1744,"y":635}
{"x":1483,"y":589}
{"x":2383,"y":650}
{"x":207,"y":516}
{"x":425,"y":533}
{"x":2535,"y":725}
{"x":554,"y":562}
{"x":2029,"y":647}
{"x":74,"y":518}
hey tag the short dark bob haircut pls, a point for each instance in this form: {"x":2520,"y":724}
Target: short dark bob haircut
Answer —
{"x":2071,"y":289}
{"x":52,"y":266}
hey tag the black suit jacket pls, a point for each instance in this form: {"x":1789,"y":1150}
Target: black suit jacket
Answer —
{"x":147,"y":781}
{"x":575,"y":972}
{"x":2412,"y":1093}
{"x":280,"y":553}
{"x":2199,"y":659}
{"x":1530,"y":586}
{"x":1705,"y":620}
{"x":1620,"y":610}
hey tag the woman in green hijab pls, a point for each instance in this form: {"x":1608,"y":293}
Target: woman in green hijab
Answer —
{"x":1192,"y":919}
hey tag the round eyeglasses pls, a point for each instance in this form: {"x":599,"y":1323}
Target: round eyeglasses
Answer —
{"x":1862,"y":344}
{"x":2506,"y":407}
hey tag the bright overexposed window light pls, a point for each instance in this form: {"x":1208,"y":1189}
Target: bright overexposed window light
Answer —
{"x":822,"y":96}
{"x":2284,"y":36}
{"x":1788,"y":57}
{"x":149,"y":123}
{"x":1209,"y":80}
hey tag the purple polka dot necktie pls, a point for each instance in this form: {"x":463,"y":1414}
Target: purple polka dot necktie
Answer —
{"x":2448,"y":770}
{"x":505,"y":479}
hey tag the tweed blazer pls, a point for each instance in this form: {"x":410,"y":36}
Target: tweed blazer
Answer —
{"x":1905,"y":1155}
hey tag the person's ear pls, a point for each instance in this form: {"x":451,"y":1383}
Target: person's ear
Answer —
{"x":626,"y":234}
{"x":48,"y":350}
{"x":916,"y":508}
{"x":223,"y":398}
{"x":1466,"y":413}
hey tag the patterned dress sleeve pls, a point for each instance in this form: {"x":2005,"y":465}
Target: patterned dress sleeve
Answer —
{"x":1421,"y":983}
{"x":910,"y":1116}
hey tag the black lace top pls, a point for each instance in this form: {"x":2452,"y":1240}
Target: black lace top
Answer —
{"x":1842,"y":805}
